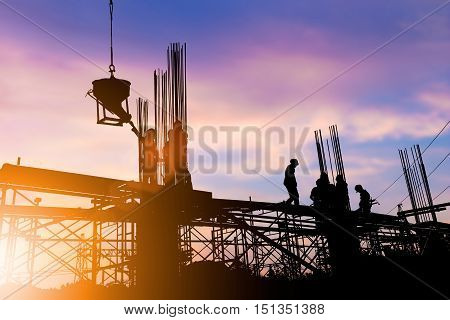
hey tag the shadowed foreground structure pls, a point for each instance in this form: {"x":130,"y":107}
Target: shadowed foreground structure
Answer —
{"x":148,"y":242}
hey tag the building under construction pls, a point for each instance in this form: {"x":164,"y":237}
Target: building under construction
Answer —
{"x":160,"y":238}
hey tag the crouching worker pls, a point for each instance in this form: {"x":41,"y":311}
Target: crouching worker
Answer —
{"x":365,"y":202}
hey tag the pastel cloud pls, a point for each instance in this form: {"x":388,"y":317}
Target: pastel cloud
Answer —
{"x":438,"y":99}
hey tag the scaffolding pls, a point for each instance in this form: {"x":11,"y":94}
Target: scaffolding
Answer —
{"x":46,"y":245}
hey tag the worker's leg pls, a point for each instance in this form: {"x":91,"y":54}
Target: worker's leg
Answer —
{"x":289,"y":201}
{"x":293,"y":195}
{"x":296,"y":196}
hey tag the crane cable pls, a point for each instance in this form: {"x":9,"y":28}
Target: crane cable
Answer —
{"x":398,"y":178}
{"x":112,"y":68}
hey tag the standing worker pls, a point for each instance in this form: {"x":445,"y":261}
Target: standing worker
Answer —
{"x":341,"y":198}
{"x":182,"y":174}
{"x":169,"y":160}
{"x":291,"y":183}
{"x":326,"y":192}
{"x":151,"y":157}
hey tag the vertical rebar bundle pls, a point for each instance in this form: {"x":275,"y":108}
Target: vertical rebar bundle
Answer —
{"x":334,"y":156}
{"x":142,"y":121}
{"x":417,"y":184}
{"x":337,"y":152}
{"x":320,"y":151}
{"x":176,"y":68}
{"x":161,"y":109}
{"x":142,"y":116}
{"x":170,"y":94}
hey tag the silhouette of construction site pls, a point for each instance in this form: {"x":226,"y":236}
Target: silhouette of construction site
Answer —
{"x":161,"y":238}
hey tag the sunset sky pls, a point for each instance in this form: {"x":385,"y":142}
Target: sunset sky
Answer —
{"x":248,"y":62}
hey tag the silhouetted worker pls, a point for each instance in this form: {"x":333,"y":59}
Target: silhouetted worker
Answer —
{"x":365,"y":203}
{"x":291,"y":183}
{"x":151,"y":157}
{"x":169,"y":160}
{"x":341,"y":196}
{"x":326,"y":192}
{"x":182,"y":173}
{"x":315,"y":194}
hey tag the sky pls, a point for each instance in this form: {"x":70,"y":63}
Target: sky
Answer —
{"x":248,"y":62}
